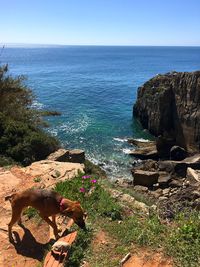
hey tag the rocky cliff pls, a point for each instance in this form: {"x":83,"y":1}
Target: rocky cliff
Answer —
{"x":169,"y":105}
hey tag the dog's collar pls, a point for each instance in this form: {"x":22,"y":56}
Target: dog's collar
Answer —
{"x":62,"y":207}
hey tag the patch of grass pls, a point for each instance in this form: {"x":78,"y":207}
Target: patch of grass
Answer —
{"x":138,"y":230}
{"x":183,"y":243}
{"x":96,"y":201}
{"x":37,"y":179}
{"x":57,"y":173}
{"x":92,"y":196}
{"x":30,"y":212}
{"x":138,"y":196}
{"x":79,"y":248}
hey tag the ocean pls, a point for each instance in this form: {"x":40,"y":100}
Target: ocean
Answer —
{"x":95,"y":87}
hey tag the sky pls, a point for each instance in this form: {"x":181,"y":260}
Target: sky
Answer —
{"x":100,"y":22}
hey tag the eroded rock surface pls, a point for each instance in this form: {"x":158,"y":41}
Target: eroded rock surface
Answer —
{"x":169,"y":105}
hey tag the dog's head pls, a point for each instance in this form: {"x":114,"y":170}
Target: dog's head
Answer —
{"x":76,"y":212}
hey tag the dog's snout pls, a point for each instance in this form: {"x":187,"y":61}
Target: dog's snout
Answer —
{"x":81,"y":224}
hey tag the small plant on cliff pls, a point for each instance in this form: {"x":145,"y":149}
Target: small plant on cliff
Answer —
{"x":21,"y":136}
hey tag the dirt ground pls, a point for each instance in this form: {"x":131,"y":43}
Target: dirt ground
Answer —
{"x":139,"y":257}
{"x":147,"y":259}
{"x":32,"y":238}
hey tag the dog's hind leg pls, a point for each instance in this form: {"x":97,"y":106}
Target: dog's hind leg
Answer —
{"x":16,"y":216}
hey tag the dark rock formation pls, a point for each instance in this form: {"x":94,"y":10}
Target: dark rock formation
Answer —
{"x":77,"y":155}
{"x":59,"y":155}
{"x":63,"y":155}
{"x":145,"y":178}
{"x":177,"y":153}
{"x":169,"y":105}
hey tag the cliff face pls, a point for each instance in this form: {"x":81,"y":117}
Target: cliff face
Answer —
{"x":169,"y":105}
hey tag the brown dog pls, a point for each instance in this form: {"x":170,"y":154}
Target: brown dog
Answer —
{"x":48,"y":203}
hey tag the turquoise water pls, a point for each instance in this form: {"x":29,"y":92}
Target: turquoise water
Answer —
{"x":94,"y":88}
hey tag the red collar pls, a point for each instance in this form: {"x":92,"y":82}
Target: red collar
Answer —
{"x":62,"y":207}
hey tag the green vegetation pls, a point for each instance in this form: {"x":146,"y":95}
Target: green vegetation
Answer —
{"x":179,"y":239}
{"x":37,"y":179}
{"x":94,"y":198}
{"x":183,"y":241}
{"x":30,"y":212}
{"x":22,"y":139}
{"x":96,"y":201}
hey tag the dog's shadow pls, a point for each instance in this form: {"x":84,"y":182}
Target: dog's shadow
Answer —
{"x":28,"y":246}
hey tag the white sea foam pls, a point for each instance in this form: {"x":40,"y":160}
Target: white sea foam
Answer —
{"x":37,"y":105}
{"x":127,"y":150}
{"x":142,"y":140}
{"x":54,"y":132}
{"x":122,"y":140}
{"x":80,"y":125}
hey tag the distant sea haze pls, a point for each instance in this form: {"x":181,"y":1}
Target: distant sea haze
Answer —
{"x":94,"y":87}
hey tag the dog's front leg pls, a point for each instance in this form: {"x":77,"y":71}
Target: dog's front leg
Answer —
{"x":54,"y":221}
{"x":52,"y":224}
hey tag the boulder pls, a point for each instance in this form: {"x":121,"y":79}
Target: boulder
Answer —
{"x":175,"y":183}
{"x":193,"y":176}
{"x":164,"y":145}
{"x":163,"y":198}
{"x":144,"y":150}
{"x":164,"y":179}
{"x":157,"y":193}
{"x":63,"y":155}
{"x":145,"y":153}
{"x":140,"y":189}
{"x":177,"y":153}
{"x":59,"y":155}
{"x":166,"y":166}
{"x":180,"y":167}
{"x":148,"y":165}
{"x":145,"y":178}
{"x":166,"y":191}
{"x":141,"y":144}
{"x":77,"y":156}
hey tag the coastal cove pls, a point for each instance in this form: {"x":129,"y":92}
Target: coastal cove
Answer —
{"x":94,"y":88}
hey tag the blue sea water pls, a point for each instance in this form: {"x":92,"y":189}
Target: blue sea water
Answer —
{"x":94,"y":87}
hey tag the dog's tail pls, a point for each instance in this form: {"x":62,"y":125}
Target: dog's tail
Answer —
{"x":10,"y":197}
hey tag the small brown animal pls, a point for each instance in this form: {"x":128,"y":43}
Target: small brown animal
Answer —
{"x":48,"y":203}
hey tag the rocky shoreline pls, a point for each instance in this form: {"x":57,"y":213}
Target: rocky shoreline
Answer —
{"x":168,"y":170}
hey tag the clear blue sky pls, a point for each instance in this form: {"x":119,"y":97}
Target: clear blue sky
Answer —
{"x":100,"y":22}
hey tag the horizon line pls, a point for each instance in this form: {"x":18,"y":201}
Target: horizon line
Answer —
{"x":18,"y":45}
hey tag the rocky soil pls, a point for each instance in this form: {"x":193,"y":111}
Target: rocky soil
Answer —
{"x":172,"y":184}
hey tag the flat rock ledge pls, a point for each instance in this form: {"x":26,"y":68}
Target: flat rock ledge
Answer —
{"x":48,"y":172}
{"x":64,"y":155}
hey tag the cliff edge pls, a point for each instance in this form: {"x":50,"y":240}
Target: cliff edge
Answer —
{"x":169,"y":105}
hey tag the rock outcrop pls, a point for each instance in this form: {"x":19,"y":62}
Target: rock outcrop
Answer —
{"x":48,"y":172}
{"x":63,"y":155}
{"x":169,"y":106}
